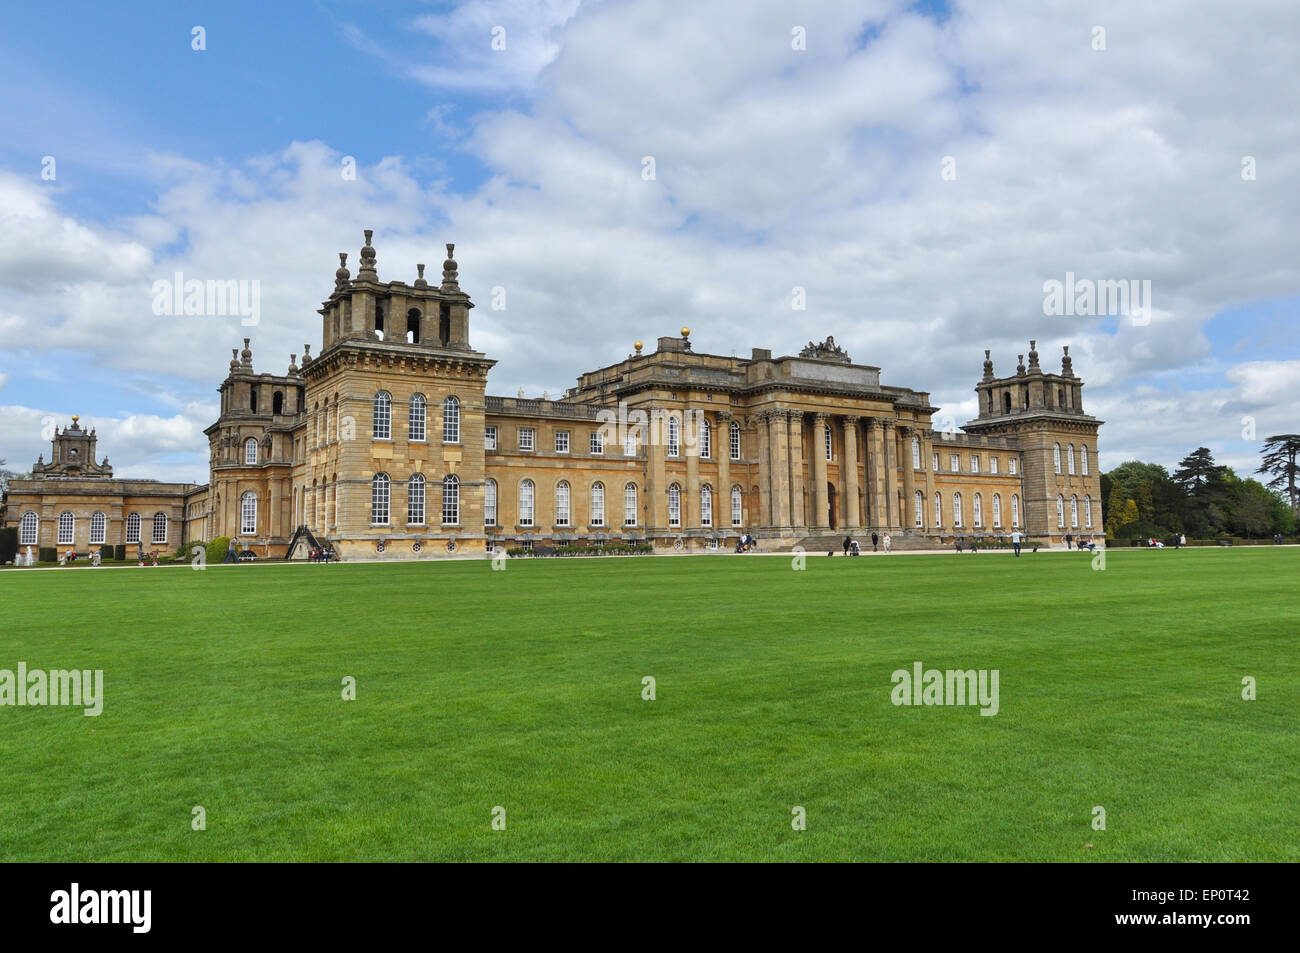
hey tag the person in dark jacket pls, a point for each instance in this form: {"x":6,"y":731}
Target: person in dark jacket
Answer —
{"x":875,"y":542}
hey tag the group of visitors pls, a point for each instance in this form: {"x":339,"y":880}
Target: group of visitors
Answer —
{"x":851,"y":547}
{"x":322,"y":554}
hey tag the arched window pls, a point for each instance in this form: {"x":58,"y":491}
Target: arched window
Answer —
{"x":735,"y":440}
{"x":250,"y":450}
{"x":160,"y":527}
{"x":451,"y":500}
{"x":978,"y":510}
{"x":919,"y":507}
{"x":1074,"y":512}
{"x":413,"y":326}
{"x":737,"y":506}
{"x":997,"y":509}
{"x":527,"y":495}
{"x":67,"y":527}
{"x":674,"y":505}
{"x":277,"y":402}
{"x":451,"y":420}
{"x":416,"y":419}
{"x":1087,"y":511}
{"x":383,"y":416}
{"x":490,"y":503}
{"x":415,"y":499}
{"x":674,"y":435}
{"x":316,"y":416}
{"x":706,"y":438}
{"x":1069,"y":459}
{"x":1015,"y":510}
{"x":629,"y":505}
{"x":1006,"y":402}
{"x":562,"y":503}
{"x":1056,"y":457}
{"x":938,"y":510}
{"x":706,"y":505}
{"x":380,"y":496}
{"x":133,"y":528}
{"x":98,"y":527}
{"x":379,"y":322}
{"x":1060,"y":511}
{"x":248,"y":514}
{"x":598,"y":504}
{"x":956,"y":509}
{"x":1083,"y":460}
{"x":31,"y":527}
{"x":916,"y":454}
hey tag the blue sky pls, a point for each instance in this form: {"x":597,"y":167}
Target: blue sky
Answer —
{"x":776,"y":167}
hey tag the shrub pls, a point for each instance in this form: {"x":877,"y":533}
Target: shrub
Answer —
{"x":217,"y":549}
{"x":48,"y":554}
{"x":8,"y":544}
{"x":119,"y":551}
{"x":186,"y":551}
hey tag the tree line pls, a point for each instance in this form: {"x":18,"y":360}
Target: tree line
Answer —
{"x":1202,"y":499}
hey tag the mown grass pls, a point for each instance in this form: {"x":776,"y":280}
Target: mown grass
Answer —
{"x":523,"y":689}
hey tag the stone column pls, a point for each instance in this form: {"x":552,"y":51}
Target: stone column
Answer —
{"x":875,"y":475}
{"x":273,"y":510}
{"x":891,"y":475}
{"x":797,"y":517}
{"x":780,"y":443}
{"x":821,"y":508}
{"x":656,"y":482}
{"x":691,"y":493}
{"x":722,"y":492}
{"x":850,"y":467}
{"x":908,"y":515}
{"x":764,"y":469}
{"x":927,"y":461}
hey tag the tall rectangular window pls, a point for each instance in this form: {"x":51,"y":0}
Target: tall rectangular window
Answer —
{"x":735,"y":440}
{"x":525,"y":438}
{"x":597,"y":442}
{"x":526,"y":497}
{"x":489,"y":438}
{"x":954,"y":462}
{"x":562,"y":503}
{"x":629,"y":505}
{"x":830,"y":442}
{"x":561,"y":441}
{"x":993,"y":464}
{"x":490,"y":503}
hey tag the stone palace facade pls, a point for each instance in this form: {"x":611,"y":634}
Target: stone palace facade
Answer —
{"x":387,"y":445}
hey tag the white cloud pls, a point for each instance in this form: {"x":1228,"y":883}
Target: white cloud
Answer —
{"x":774,"y":168}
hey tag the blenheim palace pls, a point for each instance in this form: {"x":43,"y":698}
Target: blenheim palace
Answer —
{"x":387,"y":445}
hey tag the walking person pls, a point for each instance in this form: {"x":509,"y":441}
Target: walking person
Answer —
{"x":875,"y":542}
{"x":889,"y":543}
{"x":848,"y":541}
{"x":231,"y":548}
{"x":1015,"y":542}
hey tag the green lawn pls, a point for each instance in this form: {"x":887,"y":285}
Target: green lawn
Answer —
{"x":522,"y":689}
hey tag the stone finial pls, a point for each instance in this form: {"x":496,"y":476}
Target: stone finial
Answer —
{"x":306,"y":354}
{"x":520,"y":393}
{"x":988,"y":366}
{"x":1067,"y":364}
{"x":293,"y":364}
{"x":1033,"y":355}
{"x":234,"y":359}
{"x":246,"y":355}
{"x":1020,"y":367}
{"x":450,"y":281}
{"x":419,"y":281}
{"x":367,"y":257}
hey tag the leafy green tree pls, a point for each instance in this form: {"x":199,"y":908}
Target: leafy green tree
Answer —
{"x":1279,"y":461}
{"x":1252,"y":512}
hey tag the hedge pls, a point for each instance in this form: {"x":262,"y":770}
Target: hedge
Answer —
{"x":48,"y":554}
{"x":119,"y":551}
{"x":217,"y":549}
{"x":8,"y":544}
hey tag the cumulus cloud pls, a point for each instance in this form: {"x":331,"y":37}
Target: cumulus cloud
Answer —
{"x":828,"y":169}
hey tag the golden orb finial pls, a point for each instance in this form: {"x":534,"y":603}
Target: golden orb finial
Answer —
{"x":686,"y":332}
{"x":638,"y":345}
{"x":75,"y":418}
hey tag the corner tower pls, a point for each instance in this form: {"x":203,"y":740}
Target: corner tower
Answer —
{"x":394,"y":417}
{"x":1057,"y":441}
